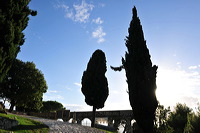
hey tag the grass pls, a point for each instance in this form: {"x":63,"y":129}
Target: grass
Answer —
{"x":25,"y":125}
{"x":106,"y":131}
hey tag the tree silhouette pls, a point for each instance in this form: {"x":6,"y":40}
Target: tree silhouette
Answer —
{"x":141,"y":76}
{"x":13,"y":20}
{"x":24,"y":86}
{"x":94,"y":82}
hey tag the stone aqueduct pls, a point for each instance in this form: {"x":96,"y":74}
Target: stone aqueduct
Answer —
{"x":114,"y":117}
{"x":111,"y":115}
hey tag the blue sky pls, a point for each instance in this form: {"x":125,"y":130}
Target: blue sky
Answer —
{"x":61,"y":39}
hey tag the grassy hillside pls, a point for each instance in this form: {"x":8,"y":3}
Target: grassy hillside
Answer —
{"x":25,"y":125}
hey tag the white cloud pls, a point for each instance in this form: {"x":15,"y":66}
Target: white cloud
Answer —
{"x":78,"y":84}
{"x":99,"y":34}
{"x":69,"y":14}
{"x":192,"y":67}
{"x":61,"y":5}
{"x":47,"y":97}
{"x":52,"y":91}
{"x":115,"y":92}
{"x":190,"y":101}
{"x":79,"y":12}
{"x":82,"y":11}
{"x":97,"y":21}
{"x":77,"y":107}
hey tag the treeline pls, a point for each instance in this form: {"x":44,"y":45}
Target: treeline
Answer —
{"x":21,"y":83}
{"x":181,"y":120}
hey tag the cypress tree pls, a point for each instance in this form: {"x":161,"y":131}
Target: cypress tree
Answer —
{"x":13,"y":20}
{"x":94,"y":82}
{"x":141,"y":76}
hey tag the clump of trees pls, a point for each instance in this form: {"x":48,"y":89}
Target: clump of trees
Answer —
{"x":182,"y":120}
{"x":14,"y":17}
{"x":141,"y":76}
{"x":24,"y":86}
{"x":51,"y":106}
{"x":94,"y":82}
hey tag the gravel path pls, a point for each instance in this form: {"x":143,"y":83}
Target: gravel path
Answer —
{"x":64,"y":127}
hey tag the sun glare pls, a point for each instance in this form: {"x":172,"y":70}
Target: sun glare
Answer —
{"x":174,"y":86}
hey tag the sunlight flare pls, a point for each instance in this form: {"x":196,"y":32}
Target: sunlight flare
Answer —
{"x":175,"y":86}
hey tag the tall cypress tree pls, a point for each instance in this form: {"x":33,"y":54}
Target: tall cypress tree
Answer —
{"x":13,"y":20}
{"x":141,"y":76}
{"x":94,"y":82}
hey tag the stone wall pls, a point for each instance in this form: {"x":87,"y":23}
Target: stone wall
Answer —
{"x":6,"y":123}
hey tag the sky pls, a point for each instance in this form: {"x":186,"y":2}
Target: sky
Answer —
{"x":63,"y":36}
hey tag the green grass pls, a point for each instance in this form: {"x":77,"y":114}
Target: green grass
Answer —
{"x":25,"y":125}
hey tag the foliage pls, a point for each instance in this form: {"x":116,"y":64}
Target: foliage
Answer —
{"x":25,"y":86}
{"x":194,"y":121}
{"x":25,"y":125}
{"x":188,"y":127}
{"x":94,"y":82}
{"x":178,"y":118}
{"x":13,"y":20}
{"x":181,"y":120}
{"x":161,"y":124}
{"x":51,"y":106}
{"x":141,"y":76}
{"x":165,"y":129}
{"x":161,"y":115}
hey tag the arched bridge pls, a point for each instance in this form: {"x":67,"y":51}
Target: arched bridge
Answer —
{"x":111,"y":115}
{"x":114,"y":117}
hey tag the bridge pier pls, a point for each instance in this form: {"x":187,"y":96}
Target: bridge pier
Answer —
{"x":110,"y":122}
{"x":79,"y":121}
{"x":117,"y":122}
{"x":128,"y":127}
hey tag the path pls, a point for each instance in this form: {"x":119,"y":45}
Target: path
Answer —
{"x":64,"y":127}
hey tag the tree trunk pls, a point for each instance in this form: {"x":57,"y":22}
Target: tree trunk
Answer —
{"x":93,"y":116}
{"x":11,"y":106}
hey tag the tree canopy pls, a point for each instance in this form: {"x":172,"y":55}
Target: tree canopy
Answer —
{"x":182,"y":120}
{"x":24,"y":86}
{"x":94,"y":81}
{"x":13,"y":20}
{"x":51,"y":106}
{"x":178,"y":118}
